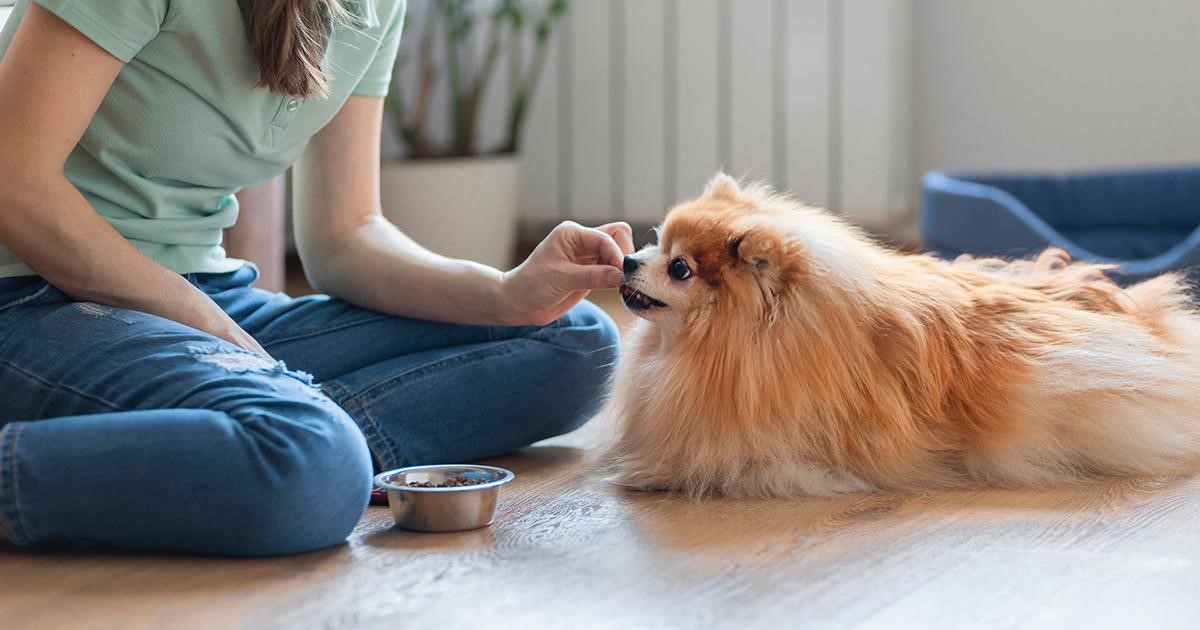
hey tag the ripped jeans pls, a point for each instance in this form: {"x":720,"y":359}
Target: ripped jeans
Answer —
{"x":125,"y":429}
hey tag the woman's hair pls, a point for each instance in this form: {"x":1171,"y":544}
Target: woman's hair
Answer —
{"x":288,"y":38}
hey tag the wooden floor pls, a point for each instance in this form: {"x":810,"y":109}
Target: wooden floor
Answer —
{"x":569,"y":550}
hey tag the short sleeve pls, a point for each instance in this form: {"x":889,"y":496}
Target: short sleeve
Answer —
{"x":379,"y":73}
{"x":121,"y":27}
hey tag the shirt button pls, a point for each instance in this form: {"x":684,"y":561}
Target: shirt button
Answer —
{"x":292,"y":105}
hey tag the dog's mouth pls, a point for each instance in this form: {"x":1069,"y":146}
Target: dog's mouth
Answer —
{"x":638,"y":301}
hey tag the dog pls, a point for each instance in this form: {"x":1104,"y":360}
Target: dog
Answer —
{"x":780,"y":352}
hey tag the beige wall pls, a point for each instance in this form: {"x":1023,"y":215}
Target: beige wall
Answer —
{"x":1064,"y":83}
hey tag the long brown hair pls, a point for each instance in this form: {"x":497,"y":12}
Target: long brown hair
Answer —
{"x":288,"y":38}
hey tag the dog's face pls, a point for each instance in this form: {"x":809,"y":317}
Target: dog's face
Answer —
{"x":661,"y":284}
{"x":716,"y":254}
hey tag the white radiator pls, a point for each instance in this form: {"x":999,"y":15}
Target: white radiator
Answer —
{"x":642,"y":100}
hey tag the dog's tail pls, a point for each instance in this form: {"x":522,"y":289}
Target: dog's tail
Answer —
{"x":1120,"y":394}
{"x":1168,"y":305}
{"x":1131,"y":394}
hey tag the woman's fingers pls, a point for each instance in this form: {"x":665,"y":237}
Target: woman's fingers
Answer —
{"x":589,"y":277}
{"x":590,"y":245}
{"x":621,"y":233}
{"x":249,"y":343}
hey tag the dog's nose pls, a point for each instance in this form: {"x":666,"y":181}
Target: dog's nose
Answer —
{"x":631,"y":264}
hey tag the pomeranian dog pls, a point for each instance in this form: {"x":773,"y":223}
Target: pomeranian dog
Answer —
{"x":780,"y":352}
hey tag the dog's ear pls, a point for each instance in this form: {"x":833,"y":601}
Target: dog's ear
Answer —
{"x":722,"y":186}
{"x":768,"y":256}
{"x":757,"y":247}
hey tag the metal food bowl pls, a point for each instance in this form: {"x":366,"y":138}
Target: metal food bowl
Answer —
{"x":449,"y":509}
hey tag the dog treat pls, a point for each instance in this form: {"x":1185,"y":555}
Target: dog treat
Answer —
{"x":453,"y":482}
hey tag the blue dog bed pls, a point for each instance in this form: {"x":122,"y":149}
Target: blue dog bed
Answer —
{"x":1145,"y":221}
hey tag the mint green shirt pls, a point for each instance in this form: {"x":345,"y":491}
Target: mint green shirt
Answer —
{"x":183,"y":127}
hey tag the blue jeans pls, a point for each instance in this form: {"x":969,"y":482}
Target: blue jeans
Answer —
{"x":130,"y":430}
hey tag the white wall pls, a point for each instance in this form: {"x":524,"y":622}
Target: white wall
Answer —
{"x":1056,"y":84}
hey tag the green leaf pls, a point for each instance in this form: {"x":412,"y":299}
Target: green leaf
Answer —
{"x":504,"y":10}
{"x":516,"y":16}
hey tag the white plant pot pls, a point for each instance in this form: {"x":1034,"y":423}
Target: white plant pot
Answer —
{"x":457,"y":207}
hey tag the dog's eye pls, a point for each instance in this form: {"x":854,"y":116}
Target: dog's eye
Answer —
{"x":679,"y":269}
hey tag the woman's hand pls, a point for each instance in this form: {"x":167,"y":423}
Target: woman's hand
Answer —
{"x":234,"y":334}
{"x":188,"y":305}
{"x":572,"y":261}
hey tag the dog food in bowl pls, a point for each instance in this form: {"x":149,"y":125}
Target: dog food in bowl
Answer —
{"x":453,"y":482}
{"x":443,"y":497}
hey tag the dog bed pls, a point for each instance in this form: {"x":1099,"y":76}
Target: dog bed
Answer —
{"x":1145,"y":221}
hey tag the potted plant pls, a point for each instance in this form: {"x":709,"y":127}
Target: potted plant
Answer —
{"x":454,"y":196}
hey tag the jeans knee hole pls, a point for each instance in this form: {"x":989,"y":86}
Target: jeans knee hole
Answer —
{"x":91,"y":309}
{"x":239,"y":361}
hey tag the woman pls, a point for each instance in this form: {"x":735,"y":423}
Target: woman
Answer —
{"x":151,"y":398}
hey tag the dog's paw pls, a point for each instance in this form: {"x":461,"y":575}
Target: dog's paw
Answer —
{"x":808,"y":481}
{"x":638,"y":481}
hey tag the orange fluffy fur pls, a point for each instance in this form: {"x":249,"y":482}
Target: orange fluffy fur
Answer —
{"x":800,"y":357}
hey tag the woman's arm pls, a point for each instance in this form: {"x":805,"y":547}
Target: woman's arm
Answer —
{"x":52,"y":80}
{"x":350,"y":250}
